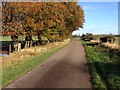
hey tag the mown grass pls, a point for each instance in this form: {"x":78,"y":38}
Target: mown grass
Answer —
{"x":5,"y":38}
{"x":12,"y":73}
{"x":20,"y":38}
{"x":104,"y":67}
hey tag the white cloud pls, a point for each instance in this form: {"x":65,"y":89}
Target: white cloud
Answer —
{"x":92,"y":7}
{"x":88,"y":7}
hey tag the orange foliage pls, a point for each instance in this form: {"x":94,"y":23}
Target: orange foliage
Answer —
{"x":65,"y":16}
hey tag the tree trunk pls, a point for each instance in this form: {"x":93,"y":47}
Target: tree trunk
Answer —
{"x":28,"y":41}
{"x":39,"y":39}
{"x":15,"y":42}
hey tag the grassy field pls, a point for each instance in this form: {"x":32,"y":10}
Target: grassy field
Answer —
{"x":104,"y":67}
{"x":14,"y":67}
{"x":21,"y":38}
{"x":6,"y":38}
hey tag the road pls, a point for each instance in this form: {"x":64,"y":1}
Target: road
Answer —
{"x":66,"y":69}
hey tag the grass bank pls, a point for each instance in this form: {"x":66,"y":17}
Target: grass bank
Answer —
{"x":13,"y":69}
{"x":104,"y":67}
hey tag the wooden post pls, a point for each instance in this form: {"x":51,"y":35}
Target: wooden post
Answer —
{"x":9,"y":49}
{"x":15,"y":46}
{"x":19,"y":47}
{"x":30,"y":44}
{"x":26,"y":44}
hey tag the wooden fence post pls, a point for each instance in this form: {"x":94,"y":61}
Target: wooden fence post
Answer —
{"x":19,"y":47}
{"x":9,"y":49}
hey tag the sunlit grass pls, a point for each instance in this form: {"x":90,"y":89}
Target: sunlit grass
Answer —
{"x":16,"y":65}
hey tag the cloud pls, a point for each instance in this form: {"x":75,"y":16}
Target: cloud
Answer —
{"x":88,"y":7}
{"x":85,"y":12}
{"x":93,"y":7}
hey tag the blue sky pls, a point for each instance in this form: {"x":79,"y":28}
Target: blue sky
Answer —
{"x":100,"y":18}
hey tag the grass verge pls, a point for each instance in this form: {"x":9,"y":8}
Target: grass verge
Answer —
{"x":12,"y":73}
{"x":104,"y":67}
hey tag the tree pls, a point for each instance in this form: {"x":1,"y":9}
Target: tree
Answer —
{"x":49,"y":19}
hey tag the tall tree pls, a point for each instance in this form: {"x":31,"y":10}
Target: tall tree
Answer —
{"x":50,"y":19}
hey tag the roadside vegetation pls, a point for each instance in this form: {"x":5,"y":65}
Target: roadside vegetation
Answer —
{"x":104,"y":66}
{"x":19,"y":63}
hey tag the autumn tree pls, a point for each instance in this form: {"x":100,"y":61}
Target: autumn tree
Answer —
{"x":54,"y":20}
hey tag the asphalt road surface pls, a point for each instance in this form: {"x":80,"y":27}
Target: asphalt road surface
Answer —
{"x":66,"y":69}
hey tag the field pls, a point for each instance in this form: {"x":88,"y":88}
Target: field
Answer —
{"x":104,"y":67}
{"x":21,"y":38}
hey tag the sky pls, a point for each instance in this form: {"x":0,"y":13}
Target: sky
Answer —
{"x":100,"y":18}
